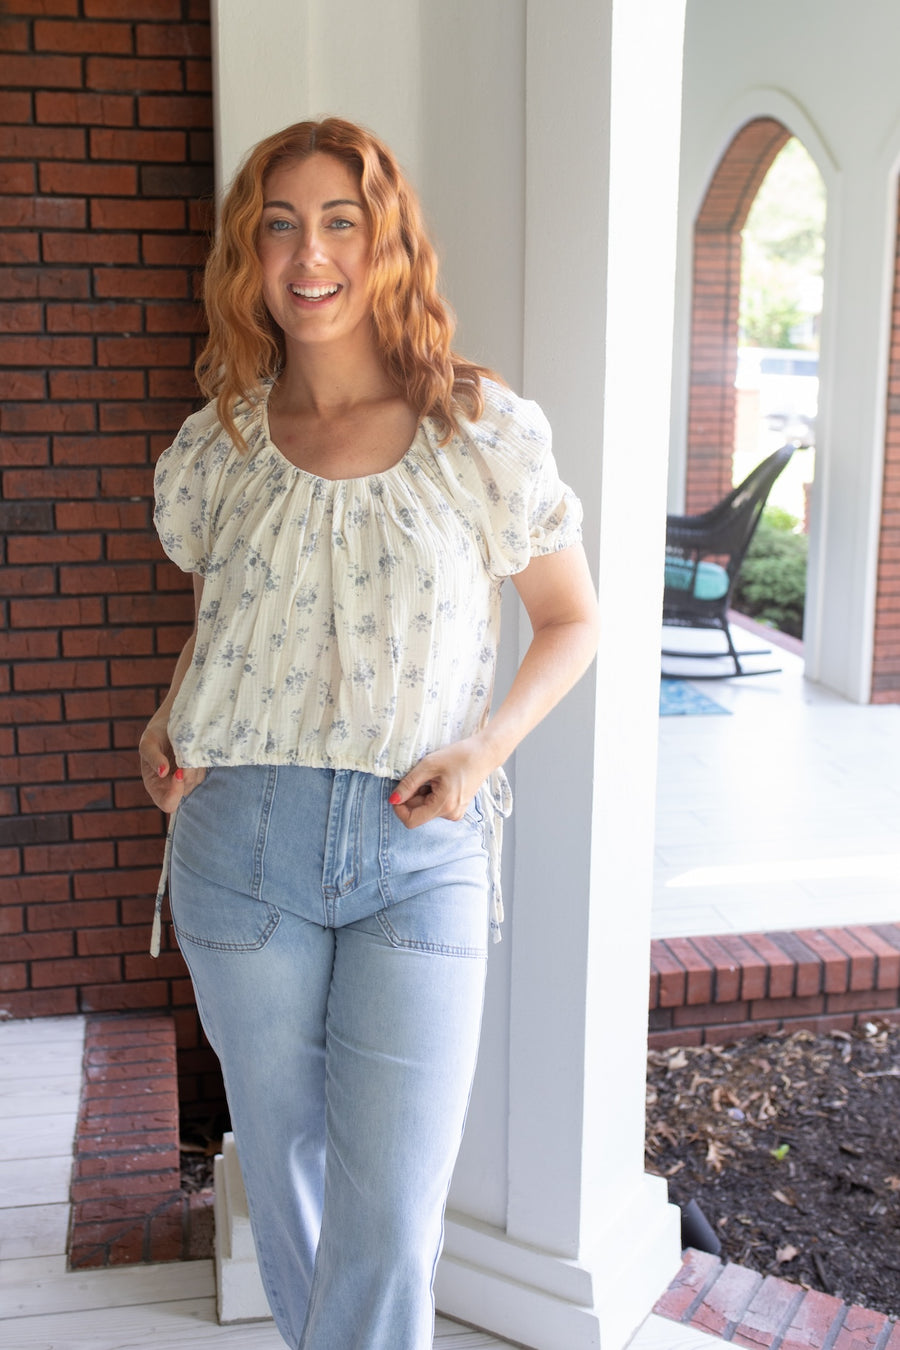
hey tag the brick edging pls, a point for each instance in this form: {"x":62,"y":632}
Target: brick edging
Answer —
{"x":740,"y":1305}
{"x":127,"y":1201}
{"x":711,"y":989}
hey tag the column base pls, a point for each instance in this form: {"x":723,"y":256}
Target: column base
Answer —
{"x":240,"y":1296}
{"x":547,"y":1302}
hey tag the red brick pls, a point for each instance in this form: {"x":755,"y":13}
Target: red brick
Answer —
{"x":698,"y":1270}
{"x":22,"y":417}
{"x":710,"y":1014}
{"x":154,"y":283}
{"x":143,"y":351}
{"x":137,"y":9}
{"x":83,"y":642}
{"x":90,"y":248}
{"x":861,"y":1330}
{"x":699,"y":981}
{"x":121,"y":547}
{"x":726,"y":1301}
{"x":44,"y":142}
{"x":780,"y":965}
{"x":887,"y":955}
{"x":55,"y":283}
{"x":174,"y":317}
{"x":788,"y":1007}
{"x":18,"y":248}
{"x":73,"y":914}
{"x":103,"y":450}
{"x":137,"y":882}
{"x":104,"y":578}
{"x":38,"y":946}
{"x":98,"y":384}
{"x":861,"y":957}
{"x":75,"y":971}
{"x":813,"y":1321}
{"x":136,"y":146}
{"x":42,"y":72}
{"x":22,"y":317}
{"x":82,"y":36}
{"x":102,"y":515}
{"x":84,"y":109}
{"x":36,"y":890}
{"x":139,"y":853}
{"x":21,"y":384}
{"x":119,"y":74}
{"x":115,"y":996}
{"x":198,"y":76}
{"x":864,"y":1000}
{"x":176,"y":39}
{"x":835,"y":965}
{"x":13,"y":35}
{"x":808,"y":969}
{"x":33,"y":707}
{"x":59,"y":675}
{"x":16,"y":178}
{"x":50,"y":351}
{"x":772,"y":1303}
{"x":115,"y":824}
{"x":41,"y":1003}
{"x":728,"y":975}
{"x":137,"y":214}
{"x":16,"y":106}
{"x":36,"y":483}
{"x":188,"y":110}
{"x":13,"y":977}
{"x":12,"y":919}
{"x":93,"y":180}
{"x":39,"y":740}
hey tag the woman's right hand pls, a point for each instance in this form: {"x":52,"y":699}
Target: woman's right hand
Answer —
{"x":164,"y":781}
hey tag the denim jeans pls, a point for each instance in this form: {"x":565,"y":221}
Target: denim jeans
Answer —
{"x":338,"y":961}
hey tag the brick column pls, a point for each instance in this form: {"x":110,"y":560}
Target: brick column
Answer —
{"x":716,"y":305}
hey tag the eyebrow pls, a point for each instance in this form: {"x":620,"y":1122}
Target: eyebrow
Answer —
{"x":326,"y":206}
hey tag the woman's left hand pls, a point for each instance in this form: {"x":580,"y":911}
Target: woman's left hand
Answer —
{"x":442,"y":784}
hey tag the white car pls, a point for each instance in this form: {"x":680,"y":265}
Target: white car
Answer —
{"x":787,"y":381}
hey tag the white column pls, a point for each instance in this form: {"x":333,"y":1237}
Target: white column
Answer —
{"x":547,"y":136}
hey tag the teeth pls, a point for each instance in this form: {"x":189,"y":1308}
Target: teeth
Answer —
{"x":314,"y":292}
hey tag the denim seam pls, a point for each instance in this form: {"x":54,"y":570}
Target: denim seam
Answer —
{"x":262,"y":831}
{"x":433,"y":948}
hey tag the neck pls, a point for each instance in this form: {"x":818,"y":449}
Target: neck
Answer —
{"x":320,"y":382}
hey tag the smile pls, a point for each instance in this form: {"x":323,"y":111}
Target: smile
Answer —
{"x":314,"y":292}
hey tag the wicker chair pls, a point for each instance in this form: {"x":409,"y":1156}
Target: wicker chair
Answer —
{"x":703,"y":557}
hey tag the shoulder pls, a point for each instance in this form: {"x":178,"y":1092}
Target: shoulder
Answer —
{"x":202,"y":443}
{"x":509,"y":418}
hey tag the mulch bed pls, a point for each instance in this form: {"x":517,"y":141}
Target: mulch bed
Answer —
{"x":790,"y":1144}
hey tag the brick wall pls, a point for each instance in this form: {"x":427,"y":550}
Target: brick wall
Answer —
{"x":712,"y":408}
{"x":886,"y":662}
{"x":106,"y":179}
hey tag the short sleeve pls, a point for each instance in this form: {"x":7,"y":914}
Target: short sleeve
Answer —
{"x":181,"y":488}
{"x":530,"y":510}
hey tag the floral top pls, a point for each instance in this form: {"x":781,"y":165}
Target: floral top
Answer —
{"x":351,"y":623}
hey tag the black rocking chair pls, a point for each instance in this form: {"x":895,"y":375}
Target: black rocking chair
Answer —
{"x":703,"y":558}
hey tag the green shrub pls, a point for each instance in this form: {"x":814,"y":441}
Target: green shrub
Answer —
{"x":771,"y":587}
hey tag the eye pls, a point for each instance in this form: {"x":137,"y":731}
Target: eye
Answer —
{"x":279,"y":226}
{"x":341,"y":224}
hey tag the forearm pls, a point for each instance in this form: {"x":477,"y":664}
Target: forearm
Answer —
{"x":557,"y":657}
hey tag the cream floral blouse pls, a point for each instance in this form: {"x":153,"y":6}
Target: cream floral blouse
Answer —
{"x":352,"y":623}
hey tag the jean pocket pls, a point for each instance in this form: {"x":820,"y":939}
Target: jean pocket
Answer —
{"x":212,"y":917}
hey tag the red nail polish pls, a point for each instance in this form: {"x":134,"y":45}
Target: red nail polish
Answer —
{"x":161,"y":770}
{"x":394,"y":798}
{"x":179,"y":774}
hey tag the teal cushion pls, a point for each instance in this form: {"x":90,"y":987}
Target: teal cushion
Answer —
{"x":710,"y":581}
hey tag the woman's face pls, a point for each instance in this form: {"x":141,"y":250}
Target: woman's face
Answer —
{"x":314,"y":244}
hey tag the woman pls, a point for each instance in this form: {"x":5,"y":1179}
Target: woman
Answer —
{"x":349,"y":502}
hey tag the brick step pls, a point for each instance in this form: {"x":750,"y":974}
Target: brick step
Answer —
{"x":707,"y":990}
{"x":127,"y":1201}
{"x":739,"y":1305}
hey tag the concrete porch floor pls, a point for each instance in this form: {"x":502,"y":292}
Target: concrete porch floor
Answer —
{"x":782,"y":815}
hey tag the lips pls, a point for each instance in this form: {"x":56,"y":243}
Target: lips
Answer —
{"x":313,"y":292}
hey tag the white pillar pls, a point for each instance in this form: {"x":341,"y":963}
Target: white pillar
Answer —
{"x":547,"y":136}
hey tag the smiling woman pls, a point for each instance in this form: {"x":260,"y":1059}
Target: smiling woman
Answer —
{"x":351,"y":501}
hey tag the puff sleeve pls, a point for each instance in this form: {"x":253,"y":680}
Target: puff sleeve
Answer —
{"x":529,"y":511}
{"x":182,"y":490}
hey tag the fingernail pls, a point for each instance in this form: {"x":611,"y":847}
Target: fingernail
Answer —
{"x":179,"y":774}
{"x":394,"y":797}
{"x":161,"y":770}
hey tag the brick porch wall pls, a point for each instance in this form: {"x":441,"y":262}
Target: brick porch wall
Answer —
{"x":106,"y":182}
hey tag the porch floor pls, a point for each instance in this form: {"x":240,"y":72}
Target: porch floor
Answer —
{"x":781,"y":816}
{"x":169,"y":1306}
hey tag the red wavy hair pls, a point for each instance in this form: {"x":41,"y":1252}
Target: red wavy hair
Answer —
{"x":413,"y":324}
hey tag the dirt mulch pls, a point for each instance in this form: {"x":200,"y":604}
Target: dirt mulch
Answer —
{"x":790,"y":1144}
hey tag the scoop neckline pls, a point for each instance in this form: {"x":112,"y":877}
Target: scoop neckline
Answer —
{"x":320,"y":478}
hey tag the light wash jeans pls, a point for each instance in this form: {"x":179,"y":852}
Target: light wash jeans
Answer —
{"x":338,"y":961}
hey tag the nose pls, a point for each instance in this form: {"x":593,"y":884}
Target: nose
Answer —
{"x":309,"y":246}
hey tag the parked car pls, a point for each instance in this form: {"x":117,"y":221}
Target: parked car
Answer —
{"x":787,"y":381}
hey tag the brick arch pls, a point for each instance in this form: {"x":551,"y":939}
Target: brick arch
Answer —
{"x":716,"y":304}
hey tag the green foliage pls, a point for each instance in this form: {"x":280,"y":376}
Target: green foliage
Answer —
{"x":771,"y":587}
{"x":782,"y":252}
